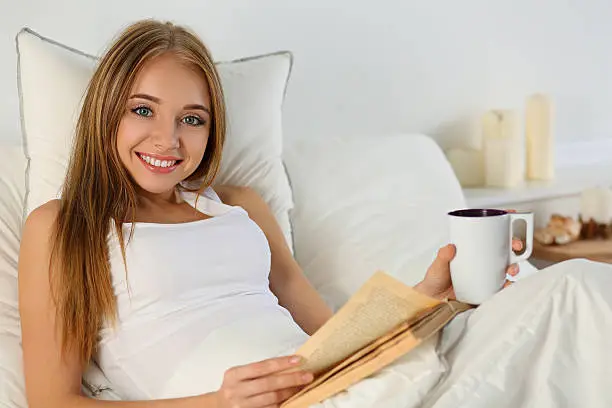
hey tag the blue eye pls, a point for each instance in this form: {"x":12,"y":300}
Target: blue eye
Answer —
{"x":192,"y":120}
{"x":143,"y":111}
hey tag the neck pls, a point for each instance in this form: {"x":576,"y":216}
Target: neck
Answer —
{"x":148,"y":199}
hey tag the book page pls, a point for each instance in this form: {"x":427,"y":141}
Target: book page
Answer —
{"x":378,"y":307}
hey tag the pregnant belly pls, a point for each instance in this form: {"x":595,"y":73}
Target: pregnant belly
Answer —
{"x":241,"y":342}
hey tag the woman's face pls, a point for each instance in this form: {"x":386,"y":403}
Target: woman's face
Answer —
{"x":164,"y":130}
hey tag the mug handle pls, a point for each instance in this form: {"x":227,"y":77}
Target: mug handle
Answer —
{"x":528,"y":218}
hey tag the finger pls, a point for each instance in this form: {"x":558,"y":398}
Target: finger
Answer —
{"x":276,"y":382}
{"x":446,"y":254}
{"x":513,"y":270}
{"x":270,"y":399}
{"x":263,"y":368}
{"x":517,"y":244}
{"x":508,"y":283}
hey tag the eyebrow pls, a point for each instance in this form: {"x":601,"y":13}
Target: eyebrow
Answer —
{"x":157,"y":100}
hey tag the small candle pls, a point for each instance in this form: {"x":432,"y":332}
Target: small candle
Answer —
{"x":502,"y":162}
{"x":539,"y":138}
{"x":500,"y":124}
{"x":468,"y":165}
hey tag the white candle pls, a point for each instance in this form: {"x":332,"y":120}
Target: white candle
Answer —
{"x":500,"y":124}
{"x":539,"y":138}
{"x":503,"y":161}
{"x":468,"y":166}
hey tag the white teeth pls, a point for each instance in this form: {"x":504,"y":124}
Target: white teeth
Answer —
{"x":157,"y":162}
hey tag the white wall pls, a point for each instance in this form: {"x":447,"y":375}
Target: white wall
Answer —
{"x":370,"y":67}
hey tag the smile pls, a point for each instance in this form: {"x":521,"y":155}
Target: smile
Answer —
{"x":157,"y":164}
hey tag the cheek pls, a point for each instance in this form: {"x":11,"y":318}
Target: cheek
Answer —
{"x":195,"y":146}
{"x":129,"y":135}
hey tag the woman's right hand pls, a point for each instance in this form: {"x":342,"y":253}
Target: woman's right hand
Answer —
{"x":262,"y":384}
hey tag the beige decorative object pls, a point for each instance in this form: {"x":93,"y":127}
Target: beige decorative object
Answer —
{"x":596,"y":204}
{"x":560,"y":230}
{"x":468,"y":166}
{"x":503,"y":164}
{"x":596,"y":212}
{"x":539,"y":138}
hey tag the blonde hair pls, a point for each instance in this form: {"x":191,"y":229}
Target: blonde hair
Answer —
{"x":98,"y":189}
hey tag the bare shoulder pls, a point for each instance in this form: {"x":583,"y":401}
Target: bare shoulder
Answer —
{"x":42,"y":218}
{"x":37,"y":231}
{"x":243,"y":196}
{"x":34,"y":254}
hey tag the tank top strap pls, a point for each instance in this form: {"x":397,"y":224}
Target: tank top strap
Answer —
{"x":208,"y":202}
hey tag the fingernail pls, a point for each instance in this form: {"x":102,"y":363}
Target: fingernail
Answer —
{"x":307,"y":377}
{"x":295,"y":359}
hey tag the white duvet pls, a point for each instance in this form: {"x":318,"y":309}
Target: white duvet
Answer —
{"x":544,"y":342}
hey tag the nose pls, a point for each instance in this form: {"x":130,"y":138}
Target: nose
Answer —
{"x":165,"y":135}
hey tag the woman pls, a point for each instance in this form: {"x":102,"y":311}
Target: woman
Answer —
{"x":132,"y":268}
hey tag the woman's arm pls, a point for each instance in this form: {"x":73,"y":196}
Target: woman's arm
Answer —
{"x":287,"y":281}
{"x":53,"y":382}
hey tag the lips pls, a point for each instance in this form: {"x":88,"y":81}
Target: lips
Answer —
{"x":159,"y":164}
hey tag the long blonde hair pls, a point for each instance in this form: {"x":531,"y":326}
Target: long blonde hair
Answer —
{"x":98,"y":189}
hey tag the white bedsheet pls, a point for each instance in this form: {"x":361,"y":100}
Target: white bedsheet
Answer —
{"x":544,"y":342}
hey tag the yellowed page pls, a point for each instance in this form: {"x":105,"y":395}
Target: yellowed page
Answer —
{"x":378,"y":307}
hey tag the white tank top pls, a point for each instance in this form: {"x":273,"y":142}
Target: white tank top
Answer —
{"x":196,"y":302}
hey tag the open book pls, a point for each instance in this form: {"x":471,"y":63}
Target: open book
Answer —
{"x":382,"y":321}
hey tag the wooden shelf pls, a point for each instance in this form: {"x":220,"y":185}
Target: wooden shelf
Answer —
{"x":599,"y":250}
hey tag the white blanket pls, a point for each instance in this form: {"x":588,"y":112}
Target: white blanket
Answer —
{"x":544,"y":342}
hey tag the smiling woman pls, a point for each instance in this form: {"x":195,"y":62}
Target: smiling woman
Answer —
{"x":152,"y":126}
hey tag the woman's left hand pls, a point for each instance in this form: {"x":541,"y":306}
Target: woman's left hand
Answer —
{"x":437,"y":282}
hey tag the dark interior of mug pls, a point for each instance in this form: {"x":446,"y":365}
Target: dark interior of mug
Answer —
{"x":477,"y":212}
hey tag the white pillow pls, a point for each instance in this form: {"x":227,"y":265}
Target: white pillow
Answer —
{"x":53,"y":79}
{"x":12,"y":170}
{"x":364,"y":204}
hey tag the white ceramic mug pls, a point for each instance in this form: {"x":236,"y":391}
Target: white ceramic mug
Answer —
{"x":483,"y":240}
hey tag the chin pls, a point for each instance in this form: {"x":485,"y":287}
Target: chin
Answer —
{"x":157,"y":189}
{"x":155,"y":186}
